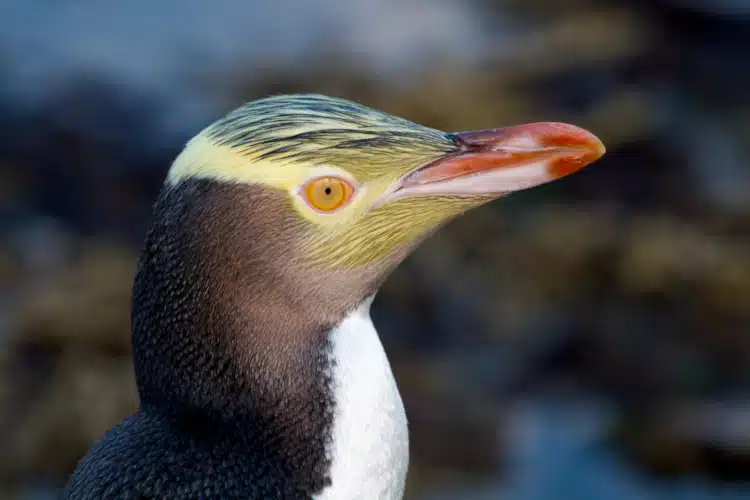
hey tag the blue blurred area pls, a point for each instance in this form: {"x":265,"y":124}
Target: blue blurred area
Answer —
{"x":154,"y":47}
{"x":588,"y":339}
{"x":557,"y":455}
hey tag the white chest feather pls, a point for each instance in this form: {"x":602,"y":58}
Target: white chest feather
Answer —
{"x":370,"y":447}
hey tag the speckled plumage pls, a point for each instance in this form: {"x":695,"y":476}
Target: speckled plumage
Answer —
{"x":145,"y":458}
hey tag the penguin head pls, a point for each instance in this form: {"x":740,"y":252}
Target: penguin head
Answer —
{"x":336,"y":188}
{"x":286,"y":215}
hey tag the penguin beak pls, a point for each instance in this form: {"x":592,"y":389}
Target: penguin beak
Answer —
{"x":499,"y":161}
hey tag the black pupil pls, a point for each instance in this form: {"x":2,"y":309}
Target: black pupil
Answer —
{"x":328,"y":190}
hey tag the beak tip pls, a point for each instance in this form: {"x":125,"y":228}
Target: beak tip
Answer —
{"x":598,"y":149}
{"x":590,"y":148}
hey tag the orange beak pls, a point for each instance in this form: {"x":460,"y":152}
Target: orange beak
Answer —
{"x":503,"y":160}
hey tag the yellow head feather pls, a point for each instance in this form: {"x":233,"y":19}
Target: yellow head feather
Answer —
{"x":282,"y":142}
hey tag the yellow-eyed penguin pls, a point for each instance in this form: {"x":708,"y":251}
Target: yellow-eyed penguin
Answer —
{"x":259,"y":371}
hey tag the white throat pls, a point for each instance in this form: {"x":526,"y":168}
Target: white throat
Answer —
{"x":369,"y":451}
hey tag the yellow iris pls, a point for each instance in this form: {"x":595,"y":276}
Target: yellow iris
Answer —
{"x":327,"y":194}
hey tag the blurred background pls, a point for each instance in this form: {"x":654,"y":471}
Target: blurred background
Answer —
{"x":588,"y":339}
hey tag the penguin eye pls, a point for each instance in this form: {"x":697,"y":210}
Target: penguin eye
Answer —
{"x":327,"y":194}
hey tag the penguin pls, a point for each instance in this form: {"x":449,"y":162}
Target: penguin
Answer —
{"x":259,"y":372}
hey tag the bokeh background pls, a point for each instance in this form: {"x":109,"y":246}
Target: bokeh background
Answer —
{"x":588,"y":339}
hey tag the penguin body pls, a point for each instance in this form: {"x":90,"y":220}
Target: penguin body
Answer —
{"x":368,"y":444}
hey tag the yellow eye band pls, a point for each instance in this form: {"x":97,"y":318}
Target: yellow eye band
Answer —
{"x":327,"y":194}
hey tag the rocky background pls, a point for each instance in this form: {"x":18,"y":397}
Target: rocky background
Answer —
{"x":589,"y":339}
